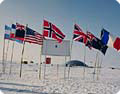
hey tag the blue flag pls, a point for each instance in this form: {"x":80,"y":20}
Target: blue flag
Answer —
{"x":7,"y":32}
{"x":105,"y":36}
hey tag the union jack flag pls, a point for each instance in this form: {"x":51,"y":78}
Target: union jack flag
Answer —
{"x":79,"y":35}
{"x":51,"y":31}
{"x":91,"y":36}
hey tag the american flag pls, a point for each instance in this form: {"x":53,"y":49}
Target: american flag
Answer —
{"x":33,"y":37}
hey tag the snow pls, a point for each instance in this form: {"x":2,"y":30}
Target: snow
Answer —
{"x":107,"y":82}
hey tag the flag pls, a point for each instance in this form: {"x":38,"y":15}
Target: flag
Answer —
{"x":116,"y":44}
{"x":51,"y":31}
{"x":97,"y":43}
{"x":107,"y":38}
{"x":12,"y":34}
{"x":110,"y":40}
{"x":79,"y":35}
{"x":20,"y":32}
{"x":53,"y":48}
{"x":33,"y":37}
{"x":7,"y":32}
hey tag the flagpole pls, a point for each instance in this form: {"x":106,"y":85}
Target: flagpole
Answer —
{"x":95,"y":65}
{"x":22,"y":59}
{"x":22,"y":54}
{"x":40,"y":63}
{"x":84,"y":61}
{"x":45,"y":59}
{"x":7,"y":49}
{"x":71,"y":49}
{"x":57,"y":71}
{"x":65,"y":69}
{"x":98,"y":66}
{"x":3,"y":58}
{"x":11,"y":58}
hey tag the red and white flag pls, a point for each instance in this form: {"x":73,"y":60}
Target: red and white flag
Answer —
{"x":116,"y":44}
{"x":51,"y":31}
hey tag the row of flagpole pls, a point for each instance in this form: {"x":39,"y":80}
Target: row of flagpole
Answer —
{"x":40,"y":58}
{"x":95,"y":67}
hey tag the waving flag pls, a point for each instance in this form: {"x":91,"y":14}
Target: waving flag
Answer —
{"x":33,"y":37}
{"x":116,"y":44}
{"x":79,"y":35}
{"x":110,"y":40}
{"x":107,"y":38}
{"x":51,"y":31}
{"x":20,"y":32}
{"x":12,"y":34}
{"x":7,"y":32}
{"x":97,"y":43}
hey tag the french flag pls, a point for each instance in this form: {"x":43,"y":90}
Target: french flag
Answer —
{"x":110,"y":40}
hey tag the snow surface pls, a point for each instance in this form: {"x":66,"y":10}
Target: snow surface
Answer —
{"x":107,"y":82}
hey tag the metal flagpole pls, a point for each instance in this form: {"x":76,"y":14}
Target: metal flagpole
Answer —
{"x":7,"y":49}
{"x":71,"y":49}
{"x":69,"y":72}
{"x":11,"y":57}
{"x":45,"y":60}
{"x":98,"y":63}
{"x":22,"y":54}
{"x":70,"y":58}
{"x":84,"y":61}
{"x":95,"y":66}
{"x":22,"y":59}
{"x":57,"y":70}
{"x":3,"y":58}
{"x":40,"y":62}
{"x":65,"y":69}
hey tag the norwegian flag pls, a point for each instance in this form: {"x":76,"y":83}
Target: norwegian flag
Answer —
{"x":79,"y":35}
{"x":20,"y":32}
{"x":51,"y":31}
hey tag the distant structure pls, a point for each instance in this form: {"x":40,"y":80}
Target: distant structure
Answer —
{"x":76,"y":63}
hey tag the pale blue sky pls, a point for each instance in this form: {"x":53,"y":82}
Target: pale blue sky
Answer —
{"x":91,"y":15}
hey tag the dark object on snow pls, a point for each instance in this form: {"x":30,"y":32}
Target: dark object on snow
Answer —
{"x":75,"y":63}
{"x":25,"y":62}
{"x":31,"y":62}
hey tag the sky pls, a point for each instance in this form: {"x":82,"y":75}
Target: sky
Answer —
{"x":89,"y":15}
